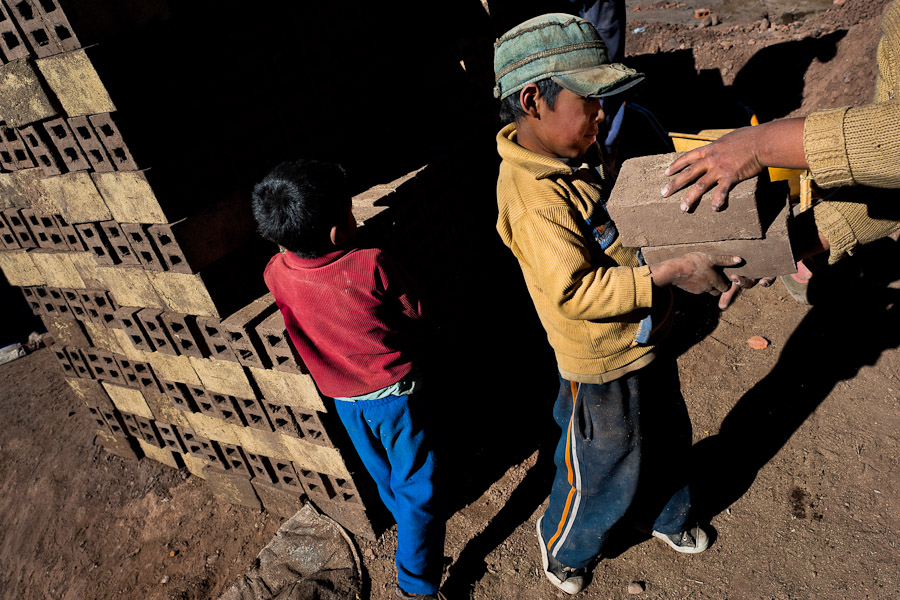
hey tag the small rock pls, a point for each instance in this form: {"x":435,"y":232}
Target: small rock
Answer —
{"x":714,"y":18}
{"x":636,"y":587}
{"x":164,"y":580}
{"x":764,"y":24}
{"x":705,"y":22}
{"x":758,"y":342}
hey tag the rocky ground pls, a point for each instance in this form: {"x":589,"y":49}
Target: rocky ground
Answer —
{"x":797,"y":448}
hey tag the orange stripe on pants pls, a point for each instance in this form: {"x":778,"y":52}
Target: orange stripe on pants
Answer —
{"x":571,"y":477}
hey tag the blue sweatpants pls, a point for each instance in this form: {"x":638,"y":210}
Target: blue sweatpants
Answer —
{"x":623,"y":450}
{"x":393,"y":438}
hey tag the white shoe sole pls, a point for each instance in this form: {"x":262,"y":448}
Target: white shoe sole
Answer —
{"x":569,"y":586}
{"x":701,"y":539}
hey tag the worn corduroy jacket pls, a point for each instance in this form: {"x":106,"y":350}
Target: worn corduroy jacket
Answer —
{"x":590,"y":303}
{"x":860,"y":147}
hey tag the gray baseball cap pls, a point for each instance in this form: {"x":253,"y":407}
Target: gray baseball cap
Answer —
{"x":566,"y":49}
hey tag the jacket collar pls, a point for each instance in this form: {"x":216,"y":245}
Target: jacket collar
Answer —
{"x":295,"y":262}
{"x":536,"y":164}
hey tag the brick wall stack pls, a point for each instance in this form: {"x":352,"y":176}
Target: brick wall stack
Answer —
{"x":158,"y":308}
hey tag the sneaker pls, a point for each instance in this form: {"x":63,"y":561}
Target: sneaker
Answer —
{"x":399,"y":593}
{"x":691,"y":541}
{"x":569,"y":580}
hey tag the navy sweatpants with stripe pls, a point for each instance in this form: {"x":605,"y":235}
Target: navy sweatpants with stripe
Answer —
{"x":622,"y":456}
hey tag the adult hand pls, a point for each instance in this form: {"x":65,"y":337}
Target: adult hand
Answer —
{"x":734,"y":157}
{"x":695,"y":272}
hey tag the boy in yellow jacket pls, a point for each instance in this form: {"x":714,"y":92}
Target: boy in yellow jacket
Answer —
{"x":625,"y":428}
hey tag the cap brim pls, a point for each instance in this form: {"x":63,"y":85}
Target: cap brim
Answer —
{"x":601,"y":81}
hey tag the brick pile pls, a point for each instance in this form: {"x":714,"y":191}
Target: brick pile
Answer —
{"x":158,"y":308}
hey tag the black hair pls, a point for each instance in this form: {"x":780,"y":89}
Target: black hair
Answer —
{"x":511,"y":109}
{"x":298,"y":203}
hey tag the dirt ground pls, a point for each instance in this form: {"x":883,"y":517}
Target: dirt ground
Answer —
{"x":796,"y":446}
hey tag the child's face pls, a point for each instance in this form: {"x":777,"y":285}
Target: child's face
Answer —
{"x":569,"y":128}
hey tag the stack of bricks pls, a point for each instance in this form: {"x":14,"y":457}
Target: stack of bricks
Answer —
{"x":754,"y":226}
{"x":161,"y":323}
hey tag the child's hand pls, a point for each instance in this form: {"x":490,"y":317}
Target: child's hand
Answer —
{"x":739,"y":283}
{"x":695,"y":272}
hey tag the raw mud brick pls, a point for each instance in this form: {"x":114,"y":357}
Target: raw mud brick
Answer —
{"x":130,"y":198}
{"x":173,"y":368}
{"x":102,"y":337}
{"x":34,"y":301}
{"x":82,"y":367}
{"x":762,"y":258}
{"x":241,"y":330}
{"x":75,"y":197}
{"x":310,"y":426}
{"x":93,"y":237}
{"x":352,"y":517}
{"x":215,"y":338}
{"x":184,"y":334}
{"x":205,"y":403}
{"x":66,"y":145}
{"x":146,"y":380}
{"x":224,"y":377}
{"x":169,"y":436}
{"x":119,"y":243}
{"x":282,"y":419}
{"x":108,"y":134}
{"x":105,"y":307}
{"x":254,"y":413}
{"x":193,"y":243}
{"x":317,"y":487}
{"x":90,"y":144}
{"x":142,"y":245}
{"x":126,"y":368}
{"x":43,"y":150}
{"x":12,"y":46}
{"x":75,"y":82}
{"x":286,"y":476}
{"x":128,"y":286}
{"x":61,"y":307}
{"x":644,"y":218}
{"x":278,"y":346}
{"x":8,"y":240}
{"x":58,"y":269}
{"x":69,"y":234}
{"x":91,"y":393}
{"x":19,"y":157}
{"x":128,"y":400}
{"x":67,"y":332}
{"x":178,"y":394}
{"x":65,"y":363}
{"x":227,"y":407}
{"x":115,"y":420}
{"x":22,"y":96}
{"x":260,"y":467}
{"x":40,"y":37}
{"x":277,"y":500}
{"x":291,"y":389}
{"x":161,"y":455}
{"x":157,"y":334}
{"x":232,"y":487}
{"x":147,"y":431}
{"x":104,"y":366}
{"x":234,"y":458}
{"x":76,"y":307}
{"x":19,"y":226}
{"x":344,"y":489}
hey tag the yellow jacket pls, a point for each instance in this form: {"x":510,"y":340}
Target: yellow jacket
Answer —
{"x":589,"y":302}
{"x":860,"y":146}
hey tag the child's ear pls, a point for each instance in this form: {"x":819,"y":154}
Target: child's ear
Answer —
{"x":337,"y":235}
{"x":528,"y":98}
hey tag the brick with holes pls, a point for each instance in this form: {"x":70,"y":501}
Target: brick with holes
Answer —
{"x":69,"y":234}
{"x":12,"y":45}
{"x":278,"y":344}
{"x":228,"y":409}
{"x":8,"y":240}
{"x":126,"y":368}
{"x":260,"y":466}
{"x":31,"y":297}
{"x":38,"y":33}
{"x":54,"y":238}
{"x":76,"y":307}
{"x":254,"y":413}
{"x":19,"y":156}
{"x":317,"y":487}
{"x":19,"y":227}
{"x":110,"y":136}
{"x":178,"y":394}
{"x":38,"y":231}
{"x":282,"y":420}
{"x":104,"y":365}
{"x":66,"y":145}
{"x":44,"y":152}
{"x":169,"y":436}
{"x":215,"y":338}
{"x":156,"y":331}
{"x":90,"y":144}
{"x":310,"y":425}
{"x":58,"y":299}
{"x":95,"y":240}
{"x":241,"y":326}
{"x":119,"y":243}
{"x":146,"y":379}
{"x":105,"y":307}
{"x":143,"y":246}
{"x":129,"y":323}
{"x":65,"y":363}
{"x":148,"y":431}
{"x":82,"y":367}
{"x":185,"y":334}
{"x":285,"y":475}
{"x":114,"y":420}
{"x":203,"y":448}
{"x":234,"y":458}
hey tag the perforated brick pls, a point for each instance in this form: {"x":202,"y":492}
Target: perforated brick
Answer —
{"x":114,"y":420}
{"x":185,"y":334}
{"x":15,"y":146}
{"x":12,"y":45}
{"x":286,"y":476}
{"x":82,"y":367}
{"x":282,"y":419}
{"x":58,"y":300}
{"x":69,"y":234}
{"x":344,"y":489}
{"x":148,"y":431}
{"x":142,"y":245}
{"x":126,"y":368}
{"x":90,"y":144}
{"x":254,"y":413}
{"x":95,"y":241}
{"x":105,"y":307}
{"x":8,"y":240}
{"x":65,"y":363}
{"x":260,"y":467}
{"x":54,"y":238}
{"x":19,"y":228}
{"x":178,"y":394}
{"x":317,"y":487}
{"x":73,"y":299}
{"x":43,"y":151}
{"x":241,"y":330}
{"x":278,"y":346}
{"x":150,"y":321}
{"x":66,"y":145}
{"x":96,"y":415}
{"x":203,"y":448}
{"x":57,"y":25}
{"x":168,"y":434}
{"x":31,"y":297}
{"x":127,"y":318}
{"x":104,"y":365}
{"x":146,"y":379}
{"x":215,"y":338}
{"x":227,"y":408}
{"x":234,"y":458}
{"x":87,"y":302}
{"x":38,"y":232}
{"x":109,"y":135}
{"x":310,"y":425}
{"x":39,"y":37}
{"x":119,"y":243}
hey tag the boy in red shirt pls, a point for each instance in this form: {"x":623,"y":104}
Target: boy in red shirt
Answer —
{"x":353,"y":318}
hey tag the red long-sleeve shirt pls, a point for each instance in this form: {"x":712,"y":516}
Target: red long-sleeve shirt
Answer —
{"x":351,"y":315}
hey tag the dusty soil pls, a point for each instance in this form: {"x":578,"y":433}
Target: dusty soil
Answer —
{"x":797,"y":448}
